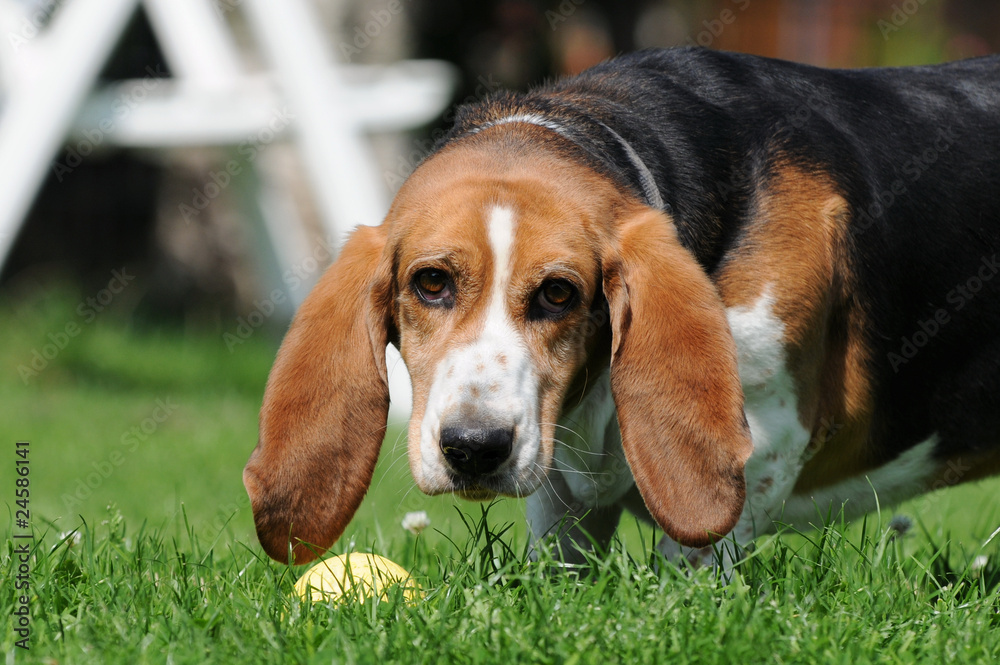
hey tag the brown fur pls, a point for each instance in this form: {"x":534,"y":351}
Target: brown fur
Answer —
{"x":325,"y":407}
{"x":675,"y":382}
{"x":796,"y":244}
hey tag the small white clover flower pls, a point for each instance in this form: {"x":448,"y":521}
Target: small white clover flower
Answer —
{"x":979,"y":563}
{"x":416,"y":522}
{"x":72,"y":537}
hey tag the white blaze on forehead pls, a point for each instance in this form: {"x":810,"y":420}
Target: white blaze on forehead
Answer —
{"x":501,"y":230}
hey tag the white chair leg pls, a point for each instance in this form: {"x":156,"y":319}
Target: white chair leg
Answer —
{"x":38,"y":113}
{"x":337,"y":159}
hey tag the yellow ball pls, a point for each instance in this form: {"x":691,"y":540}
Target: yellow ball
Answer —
{"x":357,"y":576}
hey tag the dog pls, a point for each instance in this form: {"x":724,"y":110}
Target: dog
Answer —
{"x":716,"y":290}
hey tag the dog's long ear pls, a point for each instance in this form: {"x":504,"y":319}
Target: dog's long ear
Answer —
{"x":675,"y":382}
{"x":325,"y":406}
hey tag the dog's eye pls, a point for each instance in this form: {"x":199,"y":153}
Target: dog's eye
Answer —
{"x":555,"y":296}
{"x":433,"y":286}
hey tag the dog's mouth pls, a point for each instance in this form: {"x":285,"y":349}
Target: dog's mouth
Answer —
{"x":477,"y":494}
{"x":476,"y":489}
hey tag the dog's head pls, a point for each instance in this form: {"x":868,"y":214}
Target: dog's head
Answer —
{"x":505,"y":274}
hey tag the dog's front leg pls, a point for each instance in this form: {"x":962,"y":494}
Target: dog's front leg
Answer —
{"x":562,"y":523}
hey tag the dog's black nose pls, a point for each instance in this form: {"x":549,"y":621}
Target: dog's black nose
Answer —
{"x":476,"y":451}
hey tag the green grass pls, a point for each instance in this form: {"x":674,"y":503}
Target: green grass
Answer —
{"x":166,"y":567}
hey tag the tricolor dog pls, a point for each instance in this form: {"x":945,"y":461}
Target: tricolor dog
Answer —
{"x":715,"y":290}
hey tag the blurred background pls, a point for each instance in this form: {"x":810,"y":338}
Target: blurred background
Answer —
{"x":175,"y":175}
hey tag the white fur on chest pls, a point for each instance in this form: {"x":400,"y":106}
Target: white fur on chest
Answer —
{"x":780,"y":441}
{"x":771,"y":406}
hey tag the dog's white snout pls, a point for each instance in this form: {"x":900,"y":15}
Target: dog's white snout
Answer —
{"x":482,"y":412}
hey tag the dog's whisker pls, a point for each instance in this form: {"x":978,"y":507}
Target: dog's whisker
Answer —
{"x":581,"y":437}
{"x":406,"y":494}
{"x":561,"y":426}
{"x":549,"y":486}
{"x":586,"y":379}
{"x":572,"y":472}
{"x":400,"y":437}
{"x":393,"y":465}
{"x":396,"y":461}
{"x":580,"y":455}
